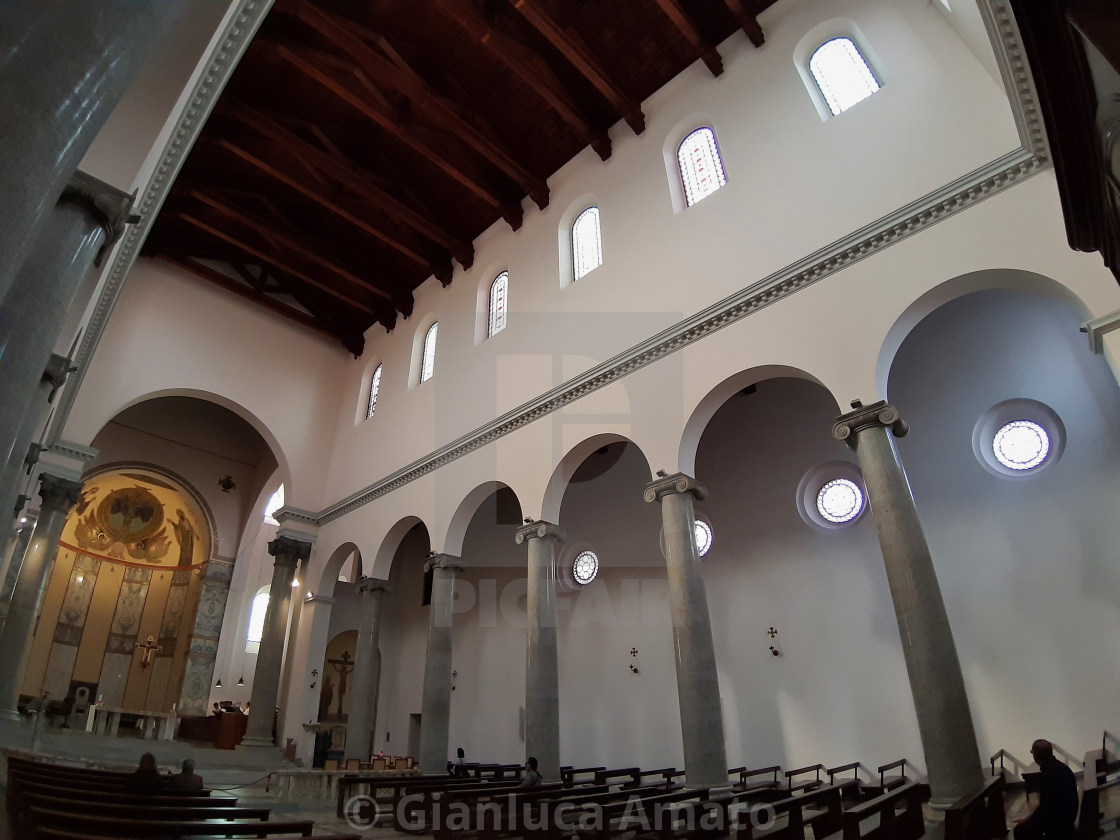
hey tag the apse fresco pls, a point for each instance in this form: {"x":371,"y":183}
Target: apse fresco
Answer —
{"x":136,"y":519}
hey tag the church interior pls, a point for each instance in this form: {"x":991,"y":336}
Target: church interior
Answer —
{"x":397,"y":391}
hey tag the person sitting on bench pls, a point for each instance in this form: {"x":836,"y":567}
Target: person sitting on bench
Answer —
{"x":187,"y":780}
{"x":146,"y":777}
{"x":532,"y":777}
{"x":1057,"y":799}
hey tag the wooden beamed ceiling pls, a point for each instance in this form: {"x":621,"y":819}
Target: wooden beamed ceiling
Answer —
{"x":362,"y":145}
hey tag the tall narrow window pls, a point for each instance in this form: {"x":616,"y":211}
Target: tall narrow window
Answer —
{"x":256,"y":620}
{"x":587,"y":243}
{"x":374,"y":387}
{"x":842,"y":74}
{"x":275,"y":502}
{"x":428,"y":359}
{"x":499,"y":292}
{"x":701,"y":166}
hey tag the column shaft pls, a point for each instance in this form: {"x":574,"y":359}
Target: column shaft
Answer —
{"x":361,"y":721}
{"x":435,"y":710}
{"x":705,"y":753}
{"x":63,"y":68}
{"x":19,"y":541}
{"x":270,"y":659}
{"x":58,"y":496}
{"x":542,"y":681}
{"x":936,"y":682}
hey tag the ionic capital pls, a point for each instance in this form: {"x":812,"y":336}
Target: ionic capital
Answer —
{"x":58,"y":368}
{"x":58,"y":494}
{"x":449,"y":562}
{"x":666,"y":485}
{"x":110,"y":206}
{"x":539,"y":530}
{"x":289,"y":552}
{"x":876,"y":415}
{"x":368,"y":584}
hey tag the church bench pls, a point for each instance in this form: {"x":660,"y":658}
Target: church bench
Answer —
{"x":369,"y":785}
{"x":126,"y":827}
{"x":743,"y":785}
{"x":122,"y":798}
{"x":60,"y":834}
{"x":793,"y":786}
{"x":626,"y":776}
{"x":18,"y":777}
{"x":568,"y":775}
{"x":892,"y":824}
{"x":464,"y":813}
{"x":820,"y":809}
{"x":147,"y":810}
{"x":1092,"y":783}
{"x":634,"y":810}
{"x":419,"y":817}
{"x":978,"y":815}
{"x":887,"y":780}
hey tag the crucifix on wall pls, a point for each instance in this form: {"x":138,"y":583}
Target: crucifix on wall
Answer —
{"x":344,"y":665}
{"x":150,"y":648}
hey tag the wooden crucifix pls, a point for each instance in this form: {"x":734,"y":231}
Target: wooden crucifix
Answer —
{"x":344,"y":665}
{"x":150,"y":648}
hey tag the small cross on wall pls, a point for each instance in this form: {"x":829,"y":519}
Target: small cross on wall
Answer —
{"x":149,"y":647}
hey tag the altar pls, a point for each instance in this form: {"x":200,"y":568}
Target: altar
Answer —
{"x":154,"y":726}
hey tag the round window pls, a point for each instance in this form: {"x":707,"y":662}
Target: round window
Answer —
{"x":831,"y":496}
{"x":1018,"y":438}
{"x":585,"y":567}
{"x":703,"y":532}
{"x":1021,"y":445}
{"x":840,"y":500}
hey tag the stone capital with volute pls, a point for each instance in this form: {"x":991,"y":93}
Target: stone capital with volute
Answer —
{"x":451,"y":563}
{"x":289,"y":552}
{"x":663,"y":485}
{"x":539,"y":530}
{"x":59,"y":494}
{"x":368,"y":584}
{"x":111,"y":207}
{"x":862,"y":417}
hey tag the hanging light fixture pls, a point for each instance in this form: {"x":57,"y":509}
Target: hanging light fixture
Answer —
{"x":218,"y":684}
{"x":241,"y":680}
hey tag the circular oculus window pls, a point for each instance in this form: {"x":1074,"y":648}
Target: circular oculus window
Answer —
{"x":585,"y":567}
{"x":1018,"y":438}
{"x":1021,"y":445}
{"x":830,"y":496}
{"x":840,"y":500}
{"x":703,"y":532}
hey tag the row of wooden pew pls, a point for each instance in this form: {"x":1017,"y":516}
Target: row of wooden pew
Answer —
{"x":598,"y":802}
{"x":53,"y":802}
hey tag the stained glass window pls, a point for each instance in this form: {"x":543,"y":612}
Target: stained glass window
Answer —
{"x":428,"y":360}
{"x":275,"y":502}
{"x":840,"y":500}
{"x":701,"y":166}
{"x":374,"y":387}
{"x":1021,"y":445}
{"x":499,"y":293}
{"x":842,"y":74}
{"x":585,"y":567}
{"x":587,"y":243}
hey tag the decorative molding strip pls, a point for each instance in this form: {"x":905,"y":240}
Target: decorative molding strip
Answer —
{"x":1031,"y":157}
{"x":74,"y":451}
{"x":229,"y":48}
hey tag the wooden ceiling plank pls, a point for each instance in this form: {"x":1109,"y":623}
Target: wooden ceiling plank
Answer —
{"x":392,"y":124}
{"x":288,"y":241}
{"x":581,"y":57}
{"x":676,"y":13}
{"x":226,"y":282}
{"x":275,"y":262}
{"x":416,"y":87}
{"x":324,"y":201}
{"x":256,"y":282}
{"x":336,"y":165}
{"x":747,"y":21}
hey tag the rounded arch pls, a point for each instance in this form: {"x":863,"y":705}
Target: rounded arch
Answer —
{"x":711,"y":402}
{"x":562,"y":474}
{"x":335,"y":565}
{"x":1010,"y":279}
{"x":464,"y":513}
{"x":383,"y":560}
{"x":671,"y":147}
{"x":235,"y":408}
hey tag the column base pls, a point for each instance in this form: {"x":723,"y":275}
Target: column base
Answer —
{"x":10,"y":714}
{"x":255,"y":742}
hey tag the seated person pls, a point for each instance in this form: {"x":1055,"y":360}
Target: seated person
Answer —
{"x":187,"y":780}
{"x":532,"y":777}
{"x":1057,"y":799}
{"x":217,"y":711}
{"x":146,"y":777}
{"x":457,"y":768}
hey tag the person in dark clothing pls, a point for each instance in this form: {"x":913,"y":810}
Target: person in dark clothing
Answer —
{"x":187,"y":780}
{"x":146,"y":777}
{"x":1054,"y":817}
{"x":532,"y":777}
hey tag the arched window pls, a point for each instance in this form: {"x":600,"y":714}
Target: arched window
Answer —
{"x":499,"y":293}
{"x":842,"y":74}
{"x":587,"y":243}
{"x":374,"y":387}
{"x":256,"y":621}
{"x":701,"y":166}
{"x":428,"y":359}
{"x":274,"y":504}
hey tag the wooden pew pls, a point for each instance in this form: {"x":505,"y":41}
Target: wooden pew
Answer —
{"x":155,"y":799}
{"x":625,"y":776}
{"x":145,"y":810}
{"x":887,"y":780}
{"x":978,"y":815}
{"x":61,"y":834}
{"x":745,"y":785}
{"x":573,"y":775}
{"x":909,"y":824}
{"x":634,"y":810}
{"x":125,"y":827}
{"x":850,"y":788}
{"x":351,"y":785}
{"x":821,"y":809}
{"x":804,"y":784}
{"x":1092,"y":783}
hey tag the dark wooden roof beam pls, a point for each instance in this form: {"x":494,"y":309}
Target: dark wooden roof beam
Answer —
{"x":747,"y":21}
{"x":674,"y":11}
{"x":582,"y":58}
{"x":398,"y":76}
{"x":395,"y":125}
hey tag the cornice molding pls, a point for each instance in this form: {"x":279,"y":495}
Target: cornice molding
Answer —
{"x":226,"y":53}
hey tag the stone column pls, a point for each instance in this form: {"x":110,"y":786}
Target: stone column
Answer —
{"x":13,"y":470}
{"x":435,"y":711}
{"x":542,"y":681}
{"x":89,"y":215}
{"x":20,"y":539}
{"x":361,"y":721}
{"x":944,"y":718}
{"x":63,"y":68}
{"x":705,"y":753}
{"x":266,"y":679}
{"x":58,"y":496}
